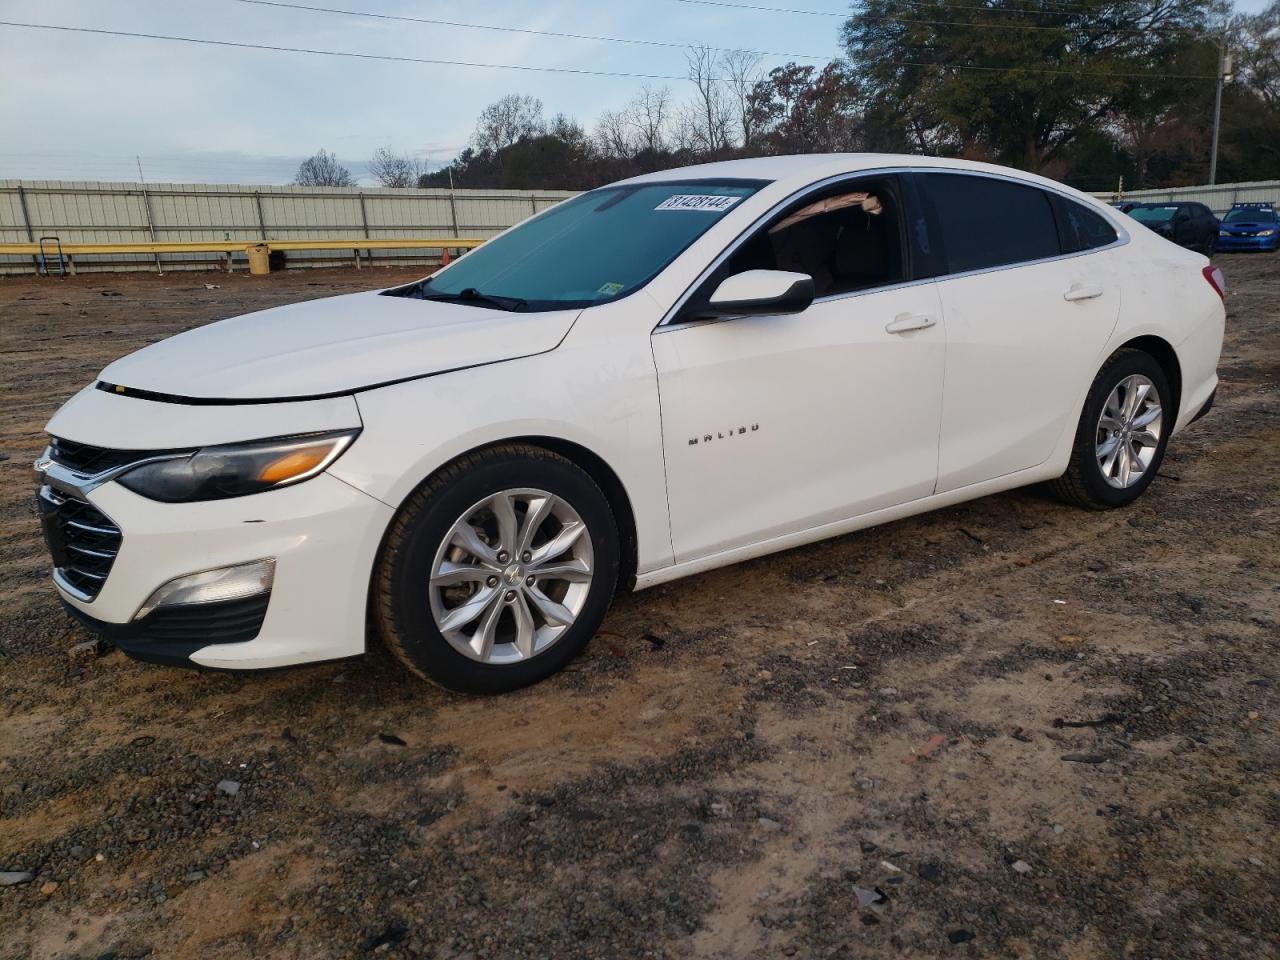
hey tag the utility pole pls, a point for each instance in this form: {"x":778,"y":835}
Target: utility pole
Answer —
{"x":1224,"y":76}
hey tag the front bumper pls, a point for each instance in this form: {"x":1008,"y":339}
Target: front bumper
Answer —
{"x":323,"y":535}
{"x":1249,"y":243}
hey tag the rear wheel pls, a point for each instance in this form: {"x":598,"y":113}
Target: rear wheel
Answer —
{"x":1122,"y":434}
{"x":498,"y":571}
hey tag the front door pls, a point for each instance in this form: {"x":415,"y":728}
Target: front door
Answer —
{"x":778,"y":424}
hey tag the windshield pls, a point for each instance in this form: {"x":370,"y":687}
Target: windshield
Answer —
{"x":1153,"y":214}
{"x":596,"y":247}
{"x":1251,"y":216}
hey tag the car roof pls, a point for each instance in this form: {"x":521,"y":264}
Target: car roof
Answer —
{"x":797,"y":170}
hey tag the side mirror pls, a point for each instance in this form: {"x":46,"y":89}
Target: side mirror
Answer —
{"x":755,"y":293}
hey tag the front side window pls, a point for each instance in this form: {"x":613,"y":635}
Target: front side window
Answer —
{"x":594,"y":248}
{"x":984,"y":222}
{"x":847,"y":237}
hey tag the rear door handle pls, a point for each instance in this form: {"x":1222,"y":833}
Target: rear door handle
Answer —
{"x":905,"y":322}
{"x":1082,"y":291}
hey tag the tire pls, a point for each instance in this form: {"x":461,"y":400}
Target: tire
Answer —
{"x":1085,"y":484}
{"x":513,"y":643}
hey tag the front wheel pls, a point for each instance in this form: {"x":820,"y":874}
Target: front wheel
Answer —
{"x":1120,"y":440}
{"x":498,"y":571}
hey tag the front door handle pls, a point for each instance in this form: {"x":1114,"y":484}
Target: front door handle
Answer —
{"x":904,"y":322}
{"x":1082,"y":291}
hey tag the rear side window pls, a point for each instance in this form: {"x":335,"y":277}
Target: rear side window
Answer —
{"x":1080,"y":228}
{"x":985,"y":222}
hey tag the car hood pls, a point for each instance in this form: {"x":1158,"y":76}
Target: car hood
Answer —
{"x":333,"y":346}
{"x":1247,"y":225}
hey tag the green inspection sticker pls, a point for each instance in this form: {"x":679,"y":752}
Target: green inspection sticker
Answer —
{"x":609,"y":289}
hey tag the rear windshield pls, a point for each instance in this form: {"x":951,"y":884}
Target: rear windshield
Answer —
{"x":597,"y":247}
{"x":1153,"y":214}
{"x":1250,"y":216}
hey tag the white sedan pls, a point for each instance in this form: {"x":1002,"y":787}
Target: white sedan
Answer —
{"x":656,"y":378}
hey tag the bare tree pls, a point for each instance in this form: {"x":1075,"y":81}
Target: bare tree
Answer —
{"x":742,"y":69}
{"x":1256,"y":45}
{"x":649,"y":112}
{"x":507,"y":121}
{"x":323,"y":170}
{"x":395,"y":170}
{"x":685,"y":136}
{"x":613,"y":134}
{"x":712,"y":112}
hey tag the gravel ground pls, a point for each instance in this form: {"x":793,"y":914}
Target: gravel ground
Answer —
{"x":1007,"y":729}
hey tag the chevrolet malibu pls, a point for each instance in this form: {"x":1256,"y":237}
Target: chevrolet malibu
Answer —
{"x":663,"y":376}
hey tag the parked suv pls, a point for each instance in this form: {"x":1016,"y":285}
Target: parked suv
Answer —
{"x":660,"y":377}
{"x":1190,"y":225}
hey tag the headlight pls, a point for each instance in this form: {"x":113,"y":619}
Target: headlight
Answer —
{"x":1265,"y":233}
{"x":234,"y":470}
{"x":1223,"y":233}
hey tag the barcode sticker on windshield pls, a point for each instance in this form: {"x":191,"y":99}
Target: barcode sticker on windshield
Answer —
{"x":698,"y":201}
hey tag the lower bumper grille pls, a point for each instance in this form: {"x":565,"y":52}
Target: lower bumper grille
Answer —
{"x":83,"y":540}
{"x":228,"y":621}
{"x":170,"y":635}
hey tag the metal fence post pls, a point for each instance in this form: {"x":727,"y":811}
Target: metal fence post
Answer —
{"x":26,"y":222}
{"x":151,"y":224}
{"x":364,"y":219}
{"x":262,"y":223}
{"x":453,"y":212}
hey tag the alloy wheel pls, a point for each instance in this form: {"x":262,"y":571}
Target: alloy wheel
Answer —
{"x":511,"y":576}
{"x":1129,"y":431}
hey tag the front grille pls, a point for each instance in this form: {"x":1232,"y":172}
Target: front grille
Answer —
{"x":88,"y":460}
{"x":83,"y":540}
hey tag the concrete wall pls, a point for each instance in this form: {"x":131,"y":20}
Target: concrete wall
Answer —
{"x":91,"y":212}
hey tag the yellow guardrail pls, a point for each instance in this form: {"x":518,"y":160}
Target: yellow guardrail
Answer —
{"x":50,"y":249}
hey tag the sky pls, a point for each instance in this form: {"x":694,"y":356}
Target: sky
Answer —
{"x":87,"y":107}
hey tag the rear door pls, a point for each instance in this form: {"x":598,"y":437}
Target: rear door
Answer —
{"x":1208,"y":226}
{"x":1186,"y":226}
{"x":1029,"y":301}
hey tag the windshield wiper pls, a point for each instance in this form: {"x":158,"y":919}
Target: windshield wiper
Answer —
{"x":472,"y":295}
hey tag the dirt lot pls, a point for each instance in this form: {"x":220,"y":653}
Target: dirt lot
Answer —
{"x":1008,"y":729}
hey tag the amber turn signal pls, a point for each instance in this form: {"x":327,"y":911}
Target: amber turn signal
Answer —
{"x":294,"y":463}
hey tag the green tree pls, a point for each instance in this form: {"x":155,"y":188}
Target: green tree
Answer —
{"x":1015,"y":81}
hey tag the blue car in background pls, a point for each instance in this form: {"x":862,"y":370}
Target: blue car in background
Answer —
{"x":1250,"y":226}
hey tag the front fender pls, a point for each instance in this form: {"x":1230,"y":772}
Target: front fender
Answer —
{"x":592,"y":392}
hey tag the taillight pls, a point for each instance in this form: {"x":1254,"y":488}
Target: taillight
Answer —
{"x":1216,"y":280}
